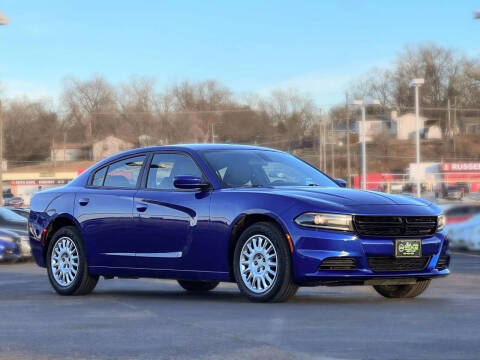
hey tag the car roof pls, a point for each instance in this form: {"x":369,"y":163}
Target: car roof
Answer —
{"x":202,"y":147}
{"x":183,"y":147}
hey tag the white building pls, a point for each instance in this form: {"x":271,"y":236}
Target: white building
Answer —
{"x":374,"y":127}
{"x":109,"y":146}
{"x":69,"y":151}
{"x":406,"y":126}
{"x":427,"y":172}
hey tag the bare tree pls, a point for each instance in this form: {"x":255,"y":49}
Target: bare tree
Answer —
{"x":90,"y":103}
{"x":291,"y":112}
{"x":137,"y":101}
{"x":24,"y":120}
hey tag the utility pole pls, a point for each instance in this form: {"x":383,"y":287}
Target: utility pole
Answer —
{"x":347,"y":115}
{"x":213,"y":133}
{"x":449,"y":119}
{"x":332,"y":142}
{"x":454,"y":127}
{"x":325,"y":148}
{"x":64,"y":149}
{"x":320,"y":150}
{"x":416,"y":83}
{"x":3,"y":21}
{"x":364,"y":149}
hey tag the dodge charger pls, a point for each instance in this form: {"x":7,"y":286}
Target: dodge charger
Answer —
{"x":207,"y":213}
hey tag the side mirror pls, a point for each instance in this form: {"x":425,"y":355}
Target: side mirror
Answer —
{"x":341,"y":182}
{"x":189,"y":182}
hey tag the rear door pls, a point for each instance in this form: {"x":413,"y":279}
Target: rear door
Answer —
{"x":105,"y":212}
{"x":171,"y":223}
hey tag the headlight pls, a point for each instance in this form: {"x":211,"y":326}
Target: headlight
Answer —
{"x":441,"y":221}
{"x":7,"y":239}
{"x":326,"y":221}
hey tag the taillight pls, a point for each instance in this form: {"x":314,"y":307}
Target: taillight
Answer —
{"x":43,"y":236}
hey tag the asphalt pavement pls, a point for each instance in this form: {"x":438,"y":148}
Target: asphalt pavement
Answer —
{"x":156,"y":319}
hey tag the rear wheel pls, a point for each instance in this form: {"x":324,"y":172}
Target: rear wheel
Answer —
{"x":198,"y":286}
{"x":67,"y":263}
{"x":403,"y":291}
{"x":263,"y":265}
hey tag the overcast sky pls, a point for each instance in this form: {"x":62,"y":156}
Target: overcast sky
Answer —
{"x":250,"y":46}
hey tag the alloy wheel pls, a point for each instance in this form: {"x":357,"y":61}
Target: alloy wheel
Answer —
{"x":258,"y":264}
{"x":64,"y":261}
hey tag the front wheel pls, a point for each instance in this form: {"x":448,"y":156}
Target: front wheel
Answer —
{"x":403,"y":291}
{"x":263,"y":265}
{"x":67,"y":264}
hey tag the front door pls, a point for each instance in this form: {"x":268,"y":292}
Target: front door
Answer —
{"x":171,"y":222}
{"x":105,"y":212}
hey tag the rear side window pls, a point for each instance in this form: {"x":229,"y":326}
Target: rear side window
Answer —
{"x":165,"y":167}
{"x":124,"y":173}
{"x":99,"y":176}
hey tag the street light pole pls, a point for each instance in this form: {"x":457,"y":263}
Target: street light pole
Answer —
{"x":416,"y":83}
{"x":3,"y":21}
{"x":333,"y":148}
{"x":364,"y":149}
{"x":363,"y":129}
{"x":320,"y":149}
{"x":362,"y":105}
{"x":347,"y":116}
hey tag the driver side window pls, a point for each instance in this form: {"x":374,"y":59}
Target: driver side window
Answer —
{"x":164,"y":168}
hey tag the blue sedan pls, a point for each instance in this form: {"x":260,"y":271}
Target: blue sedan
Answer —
{"x":207,"y":213}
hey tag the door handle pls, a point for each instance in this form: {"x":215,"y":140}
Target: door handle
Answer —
{"x":141,"y":207}
{"x":83,"y":201}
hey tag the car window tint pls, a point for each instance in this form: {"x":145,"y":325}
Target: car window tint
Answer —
{"x":99,"y":176}
{"x":165,"y":167}
{"x":124,"y":173}
{"x":249,"y":168}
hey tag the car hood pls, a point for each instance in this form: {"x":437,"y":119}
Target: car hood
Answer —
{"x":346,"y":196}
{"x":19,"y":228}
{"x":350,"y":200}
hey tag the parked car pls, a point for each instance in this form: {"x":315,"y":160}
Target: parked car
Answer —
{"x":9,"y":246}
{"x":207,"y":213}
{"x":453,"y":193}
{"x":465,"y":235}
{"x":24,"y":212}
{"x":14,"y":201}
{"x":458,"y":213}
{"x":11,"y":221}
{"x":464,"y":186}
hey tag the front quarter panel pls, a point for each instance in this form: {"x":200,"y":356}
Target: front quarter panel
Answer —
{"x":45,"y":208}
{"x":229,"y":206}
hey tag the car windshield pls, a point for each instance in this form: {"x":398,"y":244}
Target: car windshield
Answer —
{"x":262,"y":168}
{"x":9,"y":215}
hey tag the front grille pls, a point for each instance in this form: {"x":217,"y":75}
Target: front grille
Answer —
{"x":395,"y":226}
{"x":443,"y":262}
{"x":339,"y":263}
{"x":390,"y":263}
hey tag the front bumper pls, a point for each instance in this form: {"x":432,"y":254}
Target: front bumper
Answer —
{"x":313,"y":246}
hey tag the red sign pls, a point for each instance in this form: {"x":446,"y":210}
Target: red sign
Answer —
{"x":40,"y":182}
{"x":461,"y":167}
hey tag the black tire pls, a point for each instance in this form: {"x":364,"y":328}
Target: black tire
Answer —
{"x":198,"y":286}
{"x":83,"y":283}
{"x":403,"y":291}
{"x":283,"y":286}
